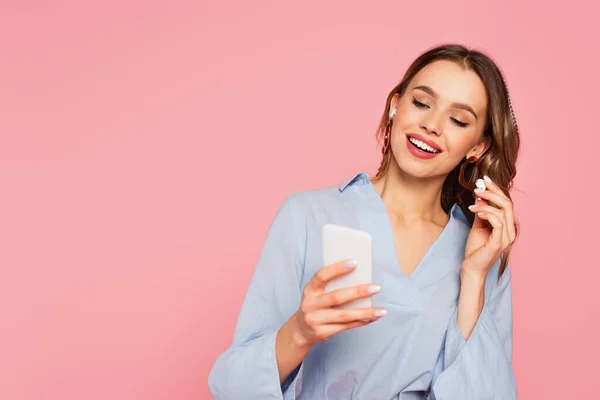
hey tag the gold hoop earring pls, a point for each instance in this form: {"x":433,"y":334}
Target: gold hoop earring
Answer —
{"x":461,"y":176}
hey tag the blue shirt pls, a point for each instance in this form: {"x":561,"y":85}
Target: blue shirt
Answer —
{"x":415,"y":352}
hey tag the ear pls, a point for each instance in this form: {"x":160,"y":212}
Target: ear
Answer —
{"x":394,"y":101}
{"x":481,"y":147}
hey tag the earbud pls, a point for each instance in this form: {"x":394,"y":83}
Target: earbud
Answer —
{"x":480,"y":184}
{"x":392,"y":113}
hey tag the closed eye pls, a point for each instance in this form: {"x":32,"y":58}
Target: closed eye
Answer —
{"x":459,"y":123}
{"x":419,"y":104}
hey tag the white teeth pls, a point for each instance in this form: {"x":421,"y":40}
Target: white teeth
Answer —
{"x":422,"y":145}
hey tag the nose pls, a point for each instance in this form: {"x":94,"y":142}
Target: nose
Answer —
{"x":432,"y":123}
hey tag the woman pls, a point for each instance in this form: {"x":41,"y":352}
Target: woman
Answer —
{"x":441,"y":322}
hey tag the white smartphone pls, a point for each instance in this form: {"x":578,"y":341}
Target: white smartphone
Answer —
{"x":341,"y":243}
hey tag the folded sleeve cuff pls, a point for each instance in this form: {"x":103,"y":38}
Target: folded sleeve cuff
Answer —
{"x":249,"y":371}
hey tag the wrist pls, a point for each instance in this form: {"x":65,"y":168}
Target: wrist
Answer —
{"x":472,"y":276}
{"x":298,"y":339}
{"x":290,"y":348}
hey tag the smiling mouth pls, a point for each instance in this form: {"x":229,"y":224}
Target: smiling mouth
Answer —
{"x":422,"y":146}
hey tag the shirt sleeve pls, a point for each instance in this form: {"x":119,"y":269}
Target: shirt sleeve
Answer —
{"x":248,"y":368}
{"x":481,"y":367}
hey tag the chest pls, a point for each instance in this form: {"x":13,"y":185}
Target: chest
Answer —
{"x":412,"y":243}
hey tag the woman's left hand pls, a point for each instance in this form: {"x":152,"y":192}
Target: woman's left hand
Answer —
{"x":484,"y":244}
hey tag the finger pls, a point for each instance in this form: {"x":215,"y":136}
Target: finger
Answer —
{"x":479,"y":200}
{"x":501,"y":214}
{"x":496,"y":237}
{"x":341,"y":296}
{"x":496,"y":195}
{"x":492,"y":186}
{"x":500,"y":200}
{"x":511,"y":227}
{"x":506,"y":204}
{"x":327,"y":273}
{"x":478,"y":222}
{"x":477,"y":208}
{"x":335,"y":316}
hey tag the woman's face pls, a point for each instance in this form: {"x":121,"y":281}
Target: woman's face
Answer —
{"x":444,"y":110}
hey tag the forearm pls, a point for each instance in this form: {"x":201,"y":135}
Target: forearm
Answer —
{"x":470,"y":301}
{"x":290,"y":349}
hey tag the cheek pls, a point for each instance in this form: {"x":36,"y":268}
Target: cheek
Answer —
{"x":408,"y":116}
{"x":459,"y":143}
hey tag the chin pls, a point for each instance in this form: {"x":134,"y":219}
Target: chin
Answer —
{"x":409,"y":165}
{"x":416,"y":171}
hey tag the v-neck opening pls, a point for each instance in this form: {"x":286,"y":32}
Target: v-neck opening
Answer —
{"x":390,"y":228}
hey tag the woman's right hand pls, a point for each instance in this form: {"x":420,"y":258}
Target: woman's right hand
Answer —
{"x":317,"y":320}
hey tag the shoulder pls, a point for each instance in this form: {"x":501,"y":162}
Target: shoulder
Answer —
{"x":303,"y":201}
{"x":325,"y":199}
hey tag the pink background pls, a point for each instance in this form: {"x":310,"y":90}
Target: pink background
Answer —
{"x":145,"y":147}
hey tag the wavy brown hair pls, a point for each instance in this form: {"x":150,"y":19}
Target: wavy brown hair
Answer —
{"x":499,"y":161}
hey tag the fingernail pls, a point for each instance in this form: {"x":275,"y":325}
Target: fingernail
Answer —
{"x":478,"y":190}
{"x":350,"y":264}
{"x":487,"y":179}
{"x":472,"y":206}
{"x":381,"y":313}
{"x":480,"y":184}
{"x":481,"y":214}
{"x":373,"y":289}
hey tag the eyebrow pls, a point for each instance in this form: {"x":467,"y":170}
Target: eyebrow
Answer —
{"x":432,"y":93}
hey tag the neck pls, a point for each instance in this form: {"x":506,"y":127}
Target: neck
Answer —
{"x":412,"y":199}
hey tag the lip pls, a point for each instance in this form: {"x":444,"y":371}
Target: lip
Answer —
{"x":422,"y":154}
{"x":426,"y":141}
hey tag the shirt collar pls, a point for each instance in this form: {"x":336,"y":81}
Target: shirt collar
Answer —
{"x":361,"y":177}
